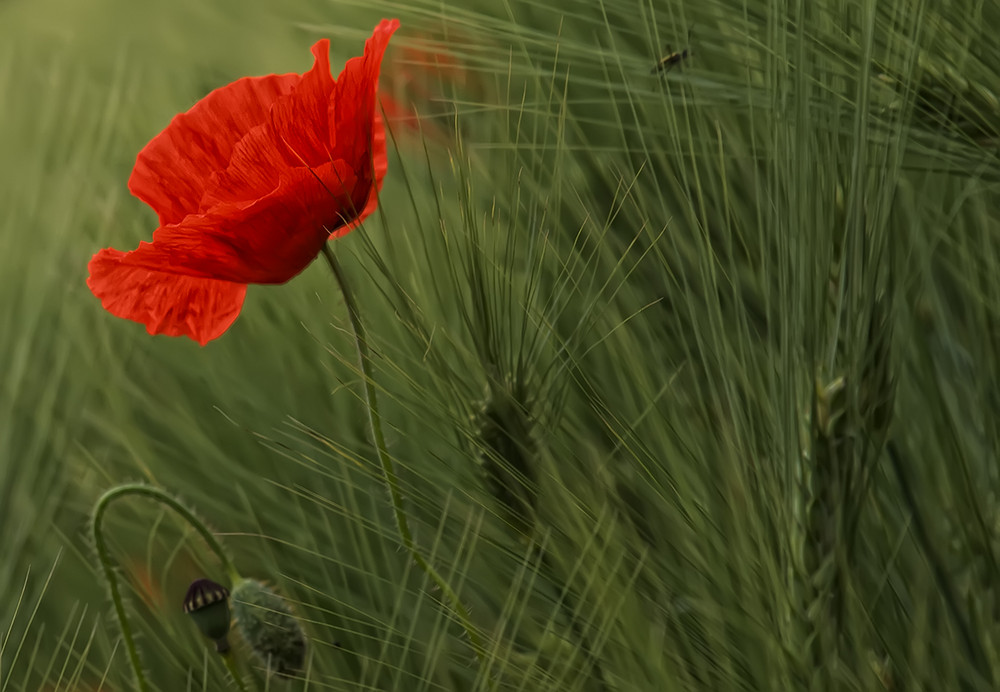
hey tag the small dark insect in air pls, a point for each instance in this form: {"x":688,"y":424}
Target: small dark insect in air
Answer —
{"x":672,"y":59}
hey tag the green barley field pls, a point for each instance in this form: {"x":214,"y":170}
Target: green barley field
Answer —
{"x":688,"y":377}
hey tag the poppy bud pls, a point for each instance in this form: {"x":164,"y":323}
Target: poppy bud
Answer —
{"x":268,"y":626}
{"x":208,"y":605}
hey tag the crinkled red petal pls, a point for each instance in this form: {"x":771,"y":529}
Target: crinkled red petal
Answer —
{"x":301,"y":132}
{"x":353,"y":113}
{"x":266,"y":242}
{"x":173,"y":171}
{"x":300,"y":120}
{"x":295,"y":134}
{"x":380,"y":162}
{"x":352,"y":110}
{"x":167,"y":303}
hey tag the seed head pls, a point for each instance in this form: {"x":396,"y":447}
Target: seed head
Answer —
{"x":507,"y":456}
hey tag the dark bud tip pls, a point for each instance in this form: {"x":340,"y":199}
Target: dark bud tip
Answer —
{"x":203,"y":593}
{"x":208,"y":605}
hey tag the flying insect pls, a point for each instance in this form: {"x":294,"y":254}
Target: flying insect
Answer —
{"x":672,"y":59}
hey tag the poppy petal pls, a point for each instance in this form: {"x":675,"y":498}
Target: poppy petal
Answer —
{"x":294,"y":134}
{"x":167,"y":303}
{"x":302,"y":129}
{"x":252,"y":173}
{"x":266,"y":242}
{"x":172,"y":172}
{"x":352,"y":109}
{"x":300,"y":120}
{"x":380,"y":162}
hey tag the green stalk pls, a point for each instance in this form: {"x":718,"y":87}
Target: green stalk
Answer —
{"x":230,"y":662}
{"x":104,"y":557}
{"x":388,"y":467}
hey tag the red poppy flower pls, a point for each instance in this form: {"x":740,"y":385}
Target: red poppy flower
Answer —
{"x":248,"y":184}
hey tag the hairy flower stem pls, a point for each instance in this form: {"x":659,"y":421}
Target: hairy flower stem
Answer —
{"x":385,"y":461}
{"x":104,"y":557}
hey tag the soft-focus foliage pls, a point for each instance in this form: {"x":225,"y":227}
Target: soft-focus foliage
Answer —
{"x":691,"y":377}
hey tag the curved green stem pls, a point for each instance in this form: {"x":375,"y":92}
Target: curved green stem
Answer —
{"x":389,"y":468}
{"x":104,"y":556}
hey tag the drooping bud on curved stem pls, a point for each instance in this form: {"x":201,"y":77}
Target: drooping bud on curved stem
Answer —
{"x":107,"y":565}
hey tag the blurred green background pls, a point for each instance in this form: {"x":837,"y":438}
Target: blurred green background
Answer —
{"x":691,"y":376}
